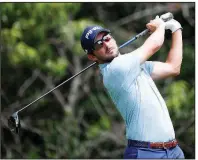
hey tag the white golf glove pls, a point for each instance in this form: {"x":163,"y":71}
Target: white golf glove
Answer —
{"x":173,"y":25}
{"x":157,"y":17}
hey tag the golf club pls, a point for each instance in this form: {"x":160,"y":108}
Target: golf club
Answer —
{"x":14,"y":121}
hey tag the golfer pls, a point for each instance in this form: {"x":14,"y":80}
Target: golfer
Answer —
{"x":128,"y":79}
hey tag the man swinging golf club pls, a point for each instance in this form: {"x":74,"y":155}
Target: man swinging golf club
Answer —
{"x":129,"y":81}
{"x":14,"y":120}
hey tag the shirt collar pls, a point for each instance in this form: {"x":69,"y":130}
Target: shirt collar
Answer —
{"x":103,"y":65}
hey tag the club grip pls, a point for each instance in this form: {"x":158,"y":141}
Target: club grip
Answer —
{"x":167,"y":16}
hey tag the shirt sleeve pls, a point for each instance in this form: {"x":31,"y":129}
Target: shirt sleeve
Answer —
{"x":148,"y":66}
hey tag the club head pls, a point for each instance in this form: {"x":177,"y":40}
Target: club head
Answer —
{"x":14,"y":123}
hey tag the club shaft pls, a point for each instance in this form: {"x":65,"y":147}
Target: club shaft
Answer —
{"x":134,"y":38}
{"x":126,"y":43}
{"x":58,"y":86}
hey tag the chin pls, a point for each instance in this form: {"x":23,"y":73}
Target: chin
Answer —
{"x":115,"y":54}
{"x":110,"y":58}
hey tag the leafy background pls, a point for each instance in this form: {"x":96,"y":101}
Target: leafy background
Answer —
{"x":40,"y":48}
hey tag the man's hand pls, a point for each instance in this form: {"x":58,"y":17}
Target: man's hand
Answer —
{"x":173,"y":25}
{"x":154,"y":24}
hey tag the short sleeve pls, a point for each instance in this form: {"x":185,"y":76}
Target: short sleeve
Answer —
{"x":148,"y":66}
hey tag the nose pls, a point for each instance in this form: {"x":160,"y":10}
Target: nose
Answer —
{"x":106,"y":44}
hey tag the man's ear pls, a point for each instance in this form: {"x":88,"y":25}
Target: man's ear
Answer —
{"x":92,"y":57}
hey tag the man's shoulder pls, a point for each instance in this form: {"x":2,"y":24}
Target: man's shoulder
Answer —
{"x":110,"y":65}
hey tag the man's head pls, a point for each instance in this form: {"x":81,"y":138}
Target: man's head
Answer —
{"x":99,"y":44}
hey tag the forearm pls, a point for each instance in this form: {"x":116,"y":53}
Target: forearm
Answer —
{"x":156,"y":39}
{"x":176,"y":52}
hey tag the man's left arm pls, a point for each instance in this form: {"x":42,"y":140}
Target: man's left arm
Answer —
{"x":173,"y":62}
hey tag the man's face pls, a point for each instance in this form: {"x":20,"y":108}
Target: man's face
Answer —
{"x":105,"y":48}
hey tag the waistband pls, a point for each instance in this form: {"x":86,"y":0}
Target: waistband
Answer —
{"x":154,"y":145}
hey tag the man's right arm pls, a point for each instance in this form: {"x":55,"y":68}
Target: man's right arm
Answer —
{"x":154,"y":41}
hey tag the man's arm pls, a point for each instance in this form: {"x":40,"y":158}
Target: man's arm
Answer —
{"x":173,"y":62}
{"x":154,"y":42}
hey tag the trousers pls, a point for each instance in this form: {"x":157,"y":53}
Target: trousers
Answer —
{"x":142,"y":153}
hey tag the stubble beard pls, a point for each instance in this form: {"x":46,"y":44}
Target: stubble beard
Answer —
{"x":110,"y":58}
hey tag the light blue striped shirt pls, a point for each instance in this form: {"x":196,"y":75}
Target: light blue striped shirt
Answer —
{"x":137,"y":98}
